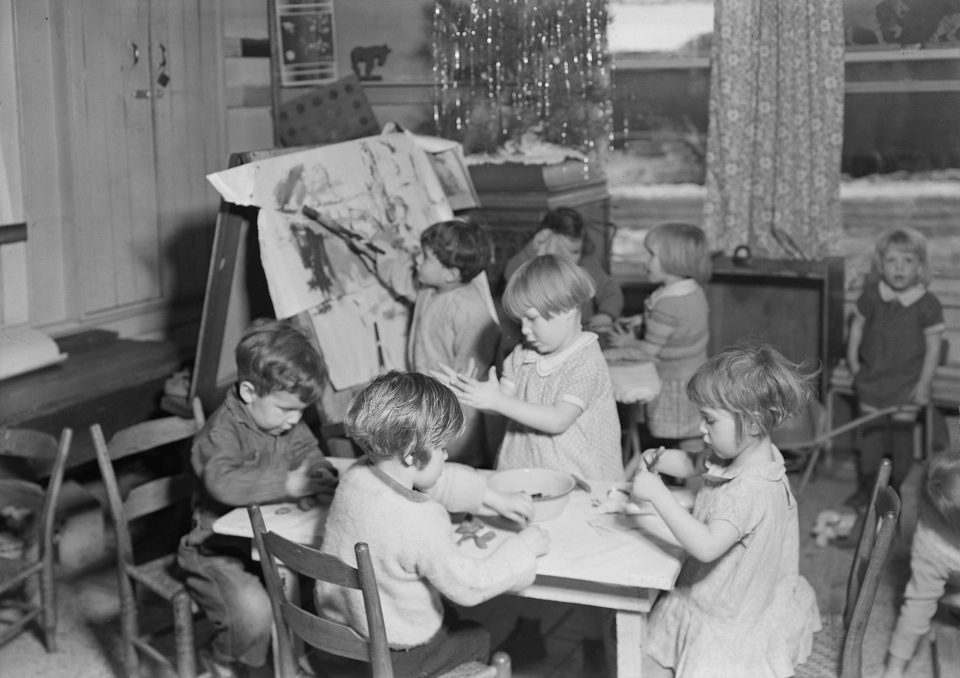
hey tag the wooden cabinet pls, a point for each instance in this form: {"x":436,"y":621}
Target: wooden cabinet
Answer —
{"x":143,"y":129}
{"x":795,"y":305}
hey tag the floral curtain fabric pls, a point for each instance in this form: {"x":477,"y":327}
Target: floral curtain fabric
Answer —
{"x":776,"y":123}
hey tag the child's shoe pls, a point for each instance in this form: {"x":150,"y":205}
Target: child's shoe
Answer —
{"x":525,"y":644}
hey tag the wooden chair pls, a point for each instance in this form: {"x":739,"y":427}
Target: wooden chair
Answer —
{"x":34,"y":560}
{"x":155,"y":576}
{"x":333,"y":637}
{"x":838,"y":647}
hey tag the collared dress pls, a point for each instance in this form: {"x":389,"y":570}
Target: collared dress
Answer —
{"x":590,"y":447}
{"x":749,"y":612}
{"x":893,"y":346}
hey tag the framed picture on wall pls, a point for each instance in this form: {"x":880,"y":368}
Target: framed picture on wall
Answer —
{"x":452,"y":171}
{"x":901,"y":24}
{"x":304,"y":32}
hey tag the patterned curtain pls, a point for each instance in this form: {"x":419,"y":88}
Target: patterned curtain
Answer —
{"x":776,"y":127}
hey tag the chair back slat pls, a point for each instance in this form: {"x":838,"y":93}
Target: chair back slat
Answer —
{"x":149,"y":435}
{"x":310,"y":562}
{"x":882,"y":532}
{"x":23,"y":442}
{"x":152,"y":495}
{"x":328,"y":635}
{"x":157,"y":495}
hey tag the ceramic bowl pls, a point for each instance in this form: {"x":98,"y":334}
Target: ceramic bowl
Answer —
{"x":550,"y":489}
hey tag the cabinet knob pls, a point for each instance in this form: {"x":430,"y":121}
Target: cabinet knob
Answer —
{"x":141,"y":94}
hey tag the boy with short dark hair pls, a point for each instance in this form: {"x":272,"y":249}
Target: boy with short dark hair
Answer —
{"x":397,"y":499}
{"x":454,"y":319}
{"x":253,"y":448}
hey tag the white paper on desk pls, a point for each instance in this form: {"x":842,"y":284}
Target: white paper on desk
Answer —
{"x":634,"y":381}
{"x":296,"y":524}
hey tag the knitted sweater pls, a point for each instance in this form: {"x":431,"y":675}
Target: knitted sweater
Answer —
{"x":935,"y":570}
{"x":414,"y":552}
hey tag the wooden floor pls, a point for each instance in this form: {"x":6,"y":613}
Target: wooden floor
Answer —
{"x":88,"y":605}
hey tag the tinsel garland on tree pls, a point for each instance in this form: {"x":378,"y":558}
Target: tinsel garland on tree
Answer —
{"x":508,"y":69}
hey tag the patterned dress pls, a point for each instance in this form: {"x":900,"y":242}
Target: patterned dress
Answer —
{"x":590,"y":447}
{"x":749,"y":612}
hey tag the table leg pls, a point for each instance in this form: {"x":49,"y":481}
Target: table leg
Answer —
{"x":629,"y":640}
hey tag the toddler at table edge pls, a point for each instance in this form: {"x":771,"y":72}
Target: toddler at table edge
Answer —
{"x":740,"y":606}
{"x":555,"y":390}
{"x":397,"y":499}
{"x":675,"y":324}
{"x":253,"y":448}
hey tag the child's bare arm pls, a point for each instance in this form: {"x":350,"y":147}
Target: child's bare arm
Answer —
{"x":704,"y":541}
{"x":853,"y":343}
{"x":921,"y":392}
{"x":487,"y":395}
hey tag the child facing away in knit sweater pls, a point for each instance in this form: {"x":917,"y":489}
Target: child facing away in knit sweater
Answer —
{"x":454,"y":318}
{"x":397,"y":499}
{"x":676,"y":326}
{"x":740,"y":606}
{"x":934,"y":561}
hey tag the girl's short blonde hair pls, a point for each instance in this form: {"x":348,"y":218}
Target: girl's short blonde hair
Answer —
{"x":940,"y":494}
{"x":908,"y":239}
{"x":549,"y":284}
{"x":682,"y":249}
{"x":755,"y":383}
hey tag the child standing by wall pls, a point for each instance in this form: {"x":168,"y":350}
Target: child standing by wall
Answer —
{"x":893,"y":350}
{"x":676,"y":325}
{"x":934,"y":560}
{"x":253,"y":448}
{"x":555,"y":390}
{"x":454,"y":320}
{"x":740,"y":606}
{"x":562,"y":232}
{"x":397,"y":500}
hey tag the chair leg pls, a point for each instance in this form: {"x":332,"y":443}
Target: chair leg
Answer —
{"x":49,"y":601}
{"x":129,"y":629}
{"x":183,"y":630}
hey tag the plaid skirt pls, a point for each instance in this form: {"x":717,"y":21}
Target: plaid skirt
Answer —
{"x":671,"y":414}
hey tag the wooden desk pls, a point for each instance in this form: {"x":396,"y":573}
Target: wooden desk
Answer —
{"x":612,"y":561}
{"x":106,"y":380}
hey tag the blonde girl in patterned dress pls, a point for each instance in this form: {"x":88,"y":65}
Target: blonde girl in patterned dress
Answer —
{"x":558,"y":399}
{"x":739,"y":607}
{"x":676,"y":321}
{"x":555,"y":389}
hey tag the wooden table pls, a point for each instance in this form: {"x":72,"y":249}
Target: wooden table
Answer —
{"x":614,"y":561}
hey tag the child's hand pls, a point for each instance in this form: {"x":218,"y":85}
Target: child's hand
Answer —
{"x":620,"y":337}
{"x":536,"y":539}
{"x":516,"y":506}
{"x":481,"y":395}
{"x":601,"y":323}
{"x":312,"y":477}
{"x":648,"y":486}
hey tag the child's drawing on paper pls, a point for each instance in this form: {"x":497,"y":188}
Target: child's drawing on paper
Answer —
{"x":325,"y":214}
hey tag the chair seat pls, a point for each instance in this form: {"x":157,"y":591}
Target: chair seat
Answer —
{"x":824,"y":659}
{"x":157,"y":575}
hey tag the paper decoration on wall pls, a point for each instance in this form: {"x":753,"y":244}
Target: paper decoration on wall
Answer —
{"x":336,"y":112}
{"x":304,"y":32}
{"x":383,"y":190}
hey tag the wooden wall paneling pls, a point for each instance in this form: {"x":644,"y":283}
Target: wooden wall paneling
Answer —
{"x":136,"y":233}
